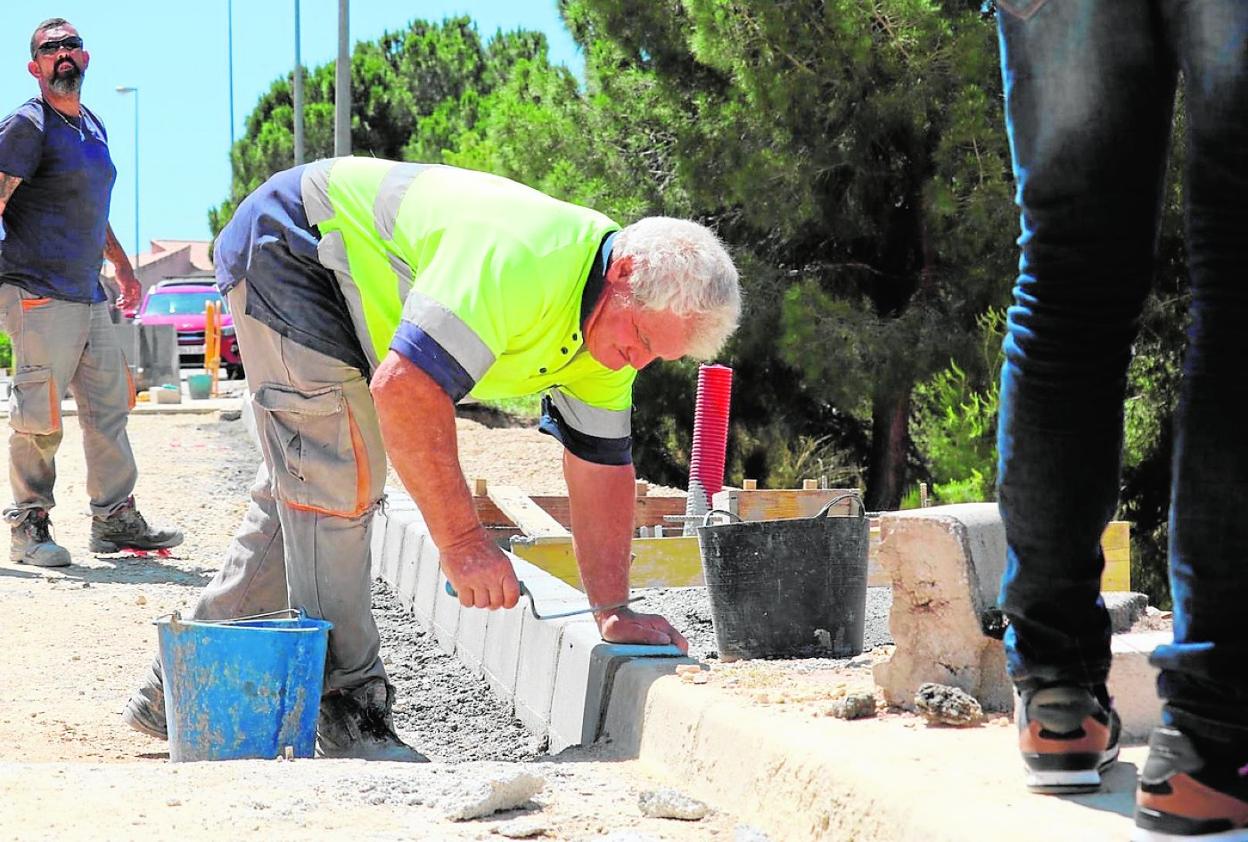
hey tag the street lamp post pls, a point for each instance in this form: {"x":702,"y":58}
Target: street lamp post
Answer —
{"x":126,"y":89}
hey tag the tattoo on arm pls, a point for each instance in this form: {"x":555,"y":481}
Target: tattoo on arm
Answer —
{"x":112,"y":248}
{"x":8,"y":183}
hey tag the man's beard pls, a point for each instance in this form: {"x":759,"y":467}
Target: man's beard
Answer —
{"x":67,"y":82}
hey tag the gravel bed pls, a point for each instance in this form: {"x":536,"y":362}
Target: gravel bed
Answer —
{"x":689,"y":610}
{"x":441,"y":707}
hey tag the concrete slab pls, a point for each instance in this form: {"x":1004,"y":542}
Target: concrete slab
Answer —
{"x":501,"y":660}
{"x":377,"y":541}
{"x":539,"y":656}
{"x":446,"y":611}
{"x":470,"y":638}
{"x":428,"y":574}
{"x":584,"y":677}
{"x":408,"y":570}
{"x":1133,"y":682}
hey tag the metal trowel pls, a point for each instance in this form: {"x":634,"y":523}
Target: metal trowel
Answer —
{"x":524,"y":591}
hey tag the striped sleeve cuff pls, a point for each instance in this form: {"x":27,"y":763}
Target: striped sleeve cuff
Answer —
{"x":601,"y":450}
{"x":425,"y":351}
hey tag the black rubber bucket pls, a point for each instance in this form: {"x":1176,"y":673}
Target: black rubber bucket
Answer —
{"x":788,"y":588}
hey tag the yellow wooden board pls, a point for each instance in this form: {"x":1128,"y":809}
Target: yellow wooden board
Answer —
{"x":657,"y":563}
{"x":1116,"y":544}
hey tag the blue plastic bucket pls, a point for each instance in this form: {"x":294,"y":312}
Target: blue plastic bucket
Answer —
{"x":239,"y":689}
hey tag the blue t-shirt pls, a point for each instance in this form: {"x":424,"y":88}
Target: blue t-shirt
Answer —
{"x":55,"y":222}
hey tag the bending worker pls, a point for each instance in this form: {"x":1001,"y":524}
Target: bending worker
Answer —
{"x":368,"y":297}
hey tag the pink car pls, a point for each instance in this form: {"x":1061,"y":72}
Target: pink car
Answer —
{"x":180,"y":302}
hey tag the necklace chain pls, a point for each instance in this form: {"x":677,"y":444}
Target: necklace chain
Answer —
{"x":78,"y":128}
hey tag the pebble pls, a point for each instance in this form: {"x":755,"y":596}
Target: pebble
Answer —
{"x":944,"y":705}
{"x":748,"y":833}
{"x":625,"y":836}
{"x":670,"y":804}
{"x":503,"y":790}
{"x":853,"y":706}
{"x":521,"y":828}
{"x":140,"y":600}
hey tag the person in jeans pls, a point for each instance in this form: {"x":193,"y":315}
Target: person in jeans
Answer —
{"x":1090,"y":91}
{"x":56,"y":181}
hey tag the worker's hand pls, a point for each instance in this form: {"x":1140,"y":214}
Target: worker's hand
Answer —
{"x":623,"y":625}
{"x":481,"y":574}
{"x":130,"y":289}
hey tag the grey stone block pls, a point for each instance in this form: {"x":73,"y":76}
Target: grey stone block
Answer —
{"x":377,"y":542}
{"x":409,"y":563}
{"x":502,"y":650}
{"x":446,"y":611}
{"x":1124,"y":608}
{"x":428,"y":575}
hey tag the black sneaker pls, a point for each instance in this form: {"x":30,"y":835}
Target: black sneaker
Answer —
{"x":1184,"y":796}
{"x":1068,"y":735}
{"x":32,"y":539}
{"x":357,"y":723}
{"x":126,"y":529}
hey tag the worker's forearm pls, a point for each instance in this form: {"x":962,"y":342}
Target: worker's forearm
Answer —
{"x":418,"y":428}
{"x":601,"y":499}
{"x":113,"y":250}
{"x":8,"y":183}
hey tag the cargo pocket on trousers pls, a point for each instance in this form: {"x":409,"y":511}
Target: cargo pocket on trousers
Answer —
{"x":34,"y":404}
{"x":307,"y":439}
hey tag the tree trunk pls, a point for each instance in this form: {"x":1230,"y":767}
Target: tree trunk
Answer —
{"x":890,"y":422}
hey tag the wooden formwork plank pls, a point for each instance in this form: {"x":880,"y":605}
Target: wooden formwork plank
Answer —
{"x":523,"y":512}
{"x":781,"y":503}
{"x":657,"y":562}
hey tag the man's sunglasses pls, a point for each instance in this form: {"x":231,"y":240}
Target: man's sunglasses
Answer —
{"x":50,"y":48}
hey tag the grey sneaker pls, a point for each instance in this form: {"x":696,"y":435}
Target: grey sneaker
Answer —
{"x":357,"y":723}
{"x":126,"y":529}
{"x":32,"y":539}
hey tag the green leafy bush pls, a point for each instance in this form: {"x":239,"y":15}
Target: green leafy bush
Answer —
{"x":6,"y":352}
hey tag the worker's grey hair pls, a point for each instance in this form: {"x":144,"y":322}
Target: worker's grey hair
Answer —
{"x":683,"y":268}
{"x":50,"y":23}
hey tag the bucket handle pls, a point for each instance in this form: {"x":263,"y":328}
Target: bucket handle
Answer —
{"x":732,"y":518}
{"x":175,"y":617}
{"x":862,"y":510}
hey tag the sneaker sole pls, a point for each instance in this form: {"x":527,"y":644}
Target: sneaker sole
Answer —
{"x":1141,"y":834}
{"x":30,"y":563}
{"x":1071,"y":781}
{"x":109,"y":547}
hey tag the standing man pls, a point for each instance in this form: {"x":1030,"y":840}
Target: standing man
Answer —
{"x":56,"y":178}
{"x":1090,"y":91}
{"x":368,"y":297}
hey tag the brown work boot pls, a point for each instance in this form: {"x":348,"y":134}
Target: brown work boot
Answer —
{"x":32,"y":539}
{"x":357,"y":723}
{"x":126,"y":529}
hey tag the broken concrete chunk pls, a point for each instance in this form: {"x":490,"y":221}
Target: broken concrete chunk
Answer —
{"x":230,"y":414}
{"x":670,"y":804}
{"x":853,"y":706}
{"x":522,"y":828}
{"x":496,"y":791}
{"x":682,"y":669}
{"x":946,"y":705}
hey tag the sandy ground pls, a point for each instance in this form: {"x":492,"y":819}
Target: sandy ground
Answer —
{"x":76,"y":640}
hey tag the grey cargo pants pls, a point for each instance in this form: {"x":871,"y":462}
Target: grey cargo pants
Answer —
{"x":304,"y":542}
{"x":59,"y":345}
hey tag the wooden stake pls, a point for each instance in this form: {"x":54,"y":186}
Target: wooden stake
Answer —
{"x":480,"y":488}
{"x":749,"y":485}
{"x":810,"y":485}
{"x":643,"y":488}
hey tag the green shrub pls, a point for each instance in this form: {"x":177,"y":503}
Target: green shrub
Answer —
{"x":6,"y":352}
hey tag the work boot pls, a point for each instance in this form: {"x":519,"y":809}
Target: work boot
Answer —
{"x":145,"y":712}
{"x":32,"y":539}
{"x":1187,"y":793}
{"x":1068,"y":735}
{"x":357,"y":723}
{"x":126,"y":529}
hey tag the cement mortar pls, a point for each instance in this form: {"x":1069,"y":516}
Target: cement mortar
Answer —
{"x":689,"y":610}
{"x":441,"y":707}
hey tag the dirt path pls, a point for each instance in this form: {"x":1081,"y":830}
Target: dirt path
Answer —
{"x":76,"y":640}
